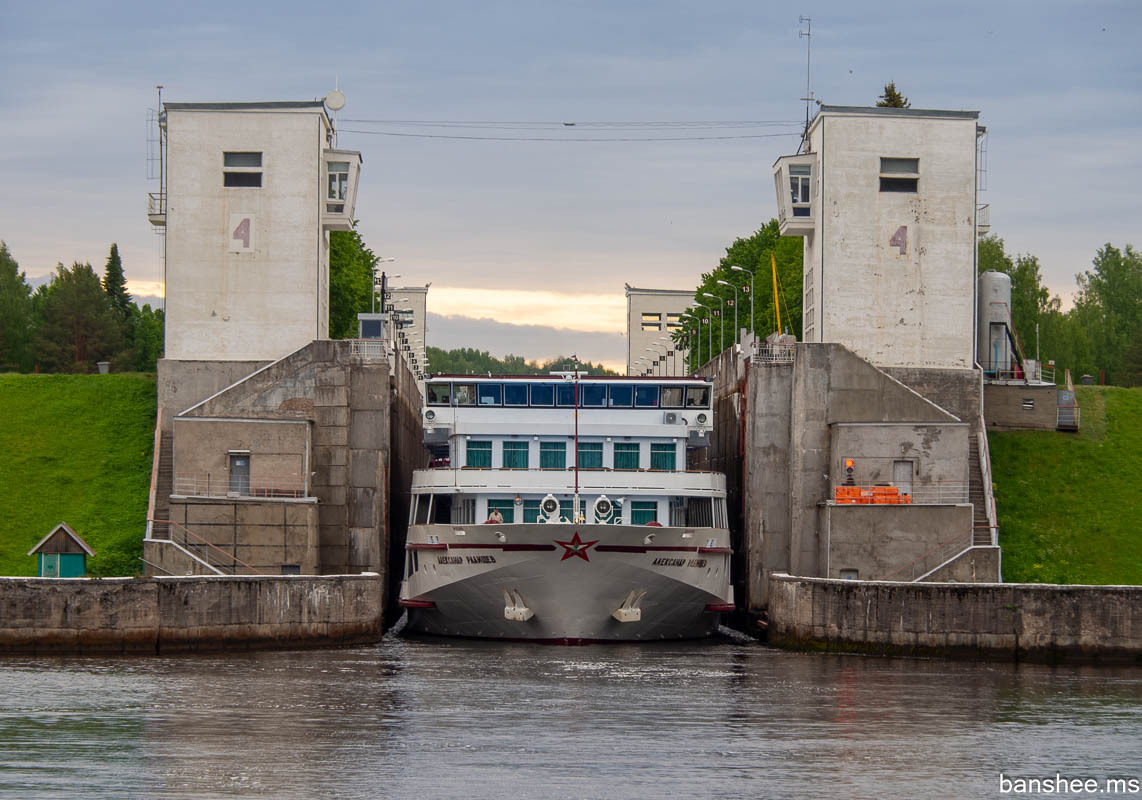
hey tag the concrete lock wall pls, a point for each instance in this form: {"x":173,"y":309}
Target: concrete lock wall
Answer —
{"x":173,"y":614}
{"x":261,"y":534}
{"x":1020,"y":622}
{"x":282,"y":446}
{"x":881,"y":542}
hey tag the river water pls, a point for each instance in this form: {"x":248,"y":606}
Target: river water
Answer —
{"x":427,"y":718}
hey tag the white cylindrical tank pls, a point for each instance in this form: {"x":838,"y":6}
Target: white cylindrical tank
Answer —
{"x":993,"y":336}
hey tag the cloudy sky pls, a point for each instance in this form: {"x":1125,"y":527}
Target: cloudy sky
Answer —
{"x":527,"y":241}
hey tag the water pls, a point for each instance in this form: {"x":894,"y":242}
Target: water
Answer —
{"x":438,"y":718}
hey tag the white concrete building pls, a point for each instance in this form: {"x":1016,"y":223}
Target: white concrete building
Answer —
{"x":251,"y":192}
{"x":409,"y":306}
{"x":653,"y":315}
{"x":886,"y":201}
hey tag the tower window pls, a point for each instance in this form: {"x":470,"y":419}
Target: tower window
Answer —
{"x":799,"y":175}
{"x":651,"y":322}
{"x":899,"y":174}
{"x":242,"y":169}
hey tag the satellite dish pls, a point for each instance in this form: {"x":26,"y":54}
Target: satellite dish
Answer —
{"x":335,"y":100}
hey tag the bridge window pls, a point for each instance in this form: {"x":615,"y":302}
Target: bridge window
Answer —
{"x":592,"y":395}
{"x":479,"y":455}
{"x":553,"y":455}
{"x":464,"y":394}
{"x":515,"y":455}
{"x":515,"y":394}
{"x":565,"y":395}
{"x":643,"y":512}
{"x":662,"y":456}
{"x":439,"y":394}
{"x":622,"y":395}
{"x":490,"y":394}
{"x":672,"y":396}
{"x":542,"y":394}
{"x":626,"y":455}
{"x":697,"y":397}
{"x":646,"y":396}
{"x":590,"y":455}
{"x":799,"y":175}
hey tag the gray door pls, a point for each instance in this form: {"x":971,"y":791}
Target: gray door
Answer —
{"x":902,"y":476}
{"x":240,"y":474}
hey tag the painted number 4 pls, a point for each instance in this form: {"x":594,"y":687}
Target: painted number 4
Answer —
{"x":242,"y":233}
{"x":900,"y":239}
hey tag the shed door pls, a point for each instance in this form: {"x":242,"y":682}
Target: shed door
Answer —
{"x":49,"y":566}
{"x":902,"y":476}
{"x":239,"y":474}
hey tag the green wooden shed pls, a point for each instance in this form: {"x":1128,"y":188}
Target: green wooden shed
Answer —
{"x":63,"y":553}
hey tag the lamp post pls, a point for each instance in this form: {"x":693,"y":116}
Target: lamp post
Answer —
{"x":373,"y":293}
{"x":735,"y":288}
{"x":751,"y":293}
{"x":721,"y":321}
{"x":709,"y":331}
{"x":664,"y":353}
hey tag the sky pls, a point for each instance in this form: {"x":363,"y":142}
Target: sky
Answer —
{"x":527,"y":244}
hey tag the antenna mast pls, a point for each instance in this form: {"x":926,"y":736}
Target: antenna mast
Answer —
{"x":807,"y":35}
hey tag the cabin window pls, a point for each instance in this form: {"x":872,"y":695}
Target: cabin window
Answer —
{"x":515,"y":455}
{"x":590,"y":455}
{"x":441,"y":509}
{"x":672,"y":396}
{"x":515,"y":394}
{"x":899,"y":174}
{"x":626,"y":455}
{"x":799,"y":175}
{"x":542,"y":394}
{"x":464,"y":394}
{"x":592,"y":395}
{"x":646,"y":396}
{"x":242,"y":169}
{"x":565,"y":394}
{"x":420,"y":513}
{"x":439,"y":394}
{"x":622,"y":395}
{"x":490,"y":394}
{"x":697,"y":397}
{"x":699,"y":512}
{"x":662,"y":456}
{"x":479,"y":455}
{"x":531,"y":511}
{"x":505,"y":507}
{"x":643,"y":512}
{"x":553,"y":455}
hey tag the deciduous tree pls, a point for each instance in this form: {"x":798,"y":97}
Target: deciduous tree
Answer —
{"x":351,"y":266}
{"x":15,"y":315}
{"x":78,"y":326}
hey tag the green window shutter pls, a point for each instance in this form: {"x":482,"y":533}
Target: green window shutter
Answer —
{"x":662,"y":456}
{"x":531,"y":511}
{"x":553,"y":455}
{"x":505,"y":507}
{"x":479,"y":455}
{"x":643,"y":511}
{"x":626,"y":455}
{"x":515,"y":455}
{"x":590,"y":455}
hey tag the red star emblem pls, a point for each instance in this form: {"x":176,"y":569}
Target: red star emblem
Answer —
{"x":575,"y":547}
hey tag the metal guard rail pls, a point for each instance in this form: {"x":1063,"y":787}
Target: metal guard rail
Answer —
{"x":199,"y":485}
{"x":203,"y":549}
{"x":926,"y":562}
{"x":939,"y":493}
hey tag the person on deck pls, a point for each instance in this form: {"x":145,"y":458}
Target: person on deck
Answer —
{"x":495,"y":518}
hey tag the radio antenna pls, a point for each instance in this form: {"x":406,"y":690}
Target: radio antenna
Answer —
{"x":807,"y":35}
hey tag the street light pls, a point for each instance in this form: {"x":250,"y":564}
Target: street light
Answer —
{"x":735,"y":288}
{"x":652,"y":350}
{"x":709,"y":331}
{"x":751,"y":293}
{"x":373,"y":293}
{"x":721,"y":320}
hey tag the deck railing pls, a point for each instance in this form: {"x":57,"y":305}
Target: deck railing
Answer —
{"x":207,"y":485}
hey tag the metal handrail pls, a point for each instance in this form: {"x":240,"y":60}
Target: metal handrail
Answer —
{"x":773,"y":353}
{"x":942,"y":552}
{"x":198,"y":484}
{"x":154,"y":473}
{"x":199,"y":542}
{"x":569,"y":469}
{"x":368,"y":347}
{"x":156,"y":203}
{"x":927,"y":494}
{"x":985,"y":470}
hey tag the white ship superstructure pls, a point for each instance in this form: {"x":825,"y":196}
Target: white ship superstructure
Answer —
{"x":560,"y":508}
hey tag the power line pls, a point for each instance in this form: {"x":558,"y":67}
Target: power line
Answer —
{"x":571,"y":138}
{"x":538,"y":124}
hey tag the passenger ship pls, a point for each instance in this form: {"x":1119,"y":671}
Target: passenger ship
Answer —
{"x":559,"y":508}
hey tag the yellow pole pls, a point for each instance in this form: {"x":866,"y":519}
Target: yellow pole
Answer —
{"x":776,"y":305}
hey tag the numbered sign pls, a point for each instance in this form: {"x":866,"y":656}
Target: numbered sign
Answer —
{"x":240,"y":233}
{"x":900,"y":240}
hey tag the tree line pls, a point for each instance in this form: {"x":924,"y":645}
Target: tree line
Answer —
{"x":75,"y":320}
{"x":470,"y":361}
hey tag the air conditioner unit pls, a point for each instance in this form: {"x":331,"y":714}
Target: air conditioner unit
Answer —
{"x":670,"y":418}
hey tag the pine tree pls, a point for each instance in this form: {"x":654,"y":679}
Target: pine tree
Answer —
{"x":78,"y":326}
{"x":892,"y":98}
{"x":115,"y":284}
{"x":15,"y":314}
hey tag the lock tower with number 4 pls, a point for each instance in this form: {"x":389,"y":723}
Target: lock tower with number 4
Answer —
{"x":887,"y":202}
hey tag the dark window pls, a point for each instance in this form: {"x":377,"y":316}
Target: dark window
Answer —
{"x":242,"y":179}
{"x":899,"y":174}
{"x":662,"y":456}
{"x":291,"y":569}
{"x":490,"y":394}
{"x":464,"y":394}
{"x":697,"y":397}
{"x":590,"y":455}
{"x":909,"y":185}
{"x":515,"y":455}
{"x":593,"y":394}
{"x":622,"y":395}
{"x":626,"y":455}
{"x":565,"y":394}
{"x":672,"y":396}
{"x":515,"y":394}
{"x":542,"y":394}
{"x":646,"y":396}
{"x":439,"y":394}
{"x":479,"y":455}
{"x":643,"y":511}
{"x":553,"y":455}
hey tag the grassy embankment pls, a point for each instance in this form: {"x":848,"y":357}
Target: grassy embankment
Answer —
{"x":1070,"y":505}
{"x":75,"y":449}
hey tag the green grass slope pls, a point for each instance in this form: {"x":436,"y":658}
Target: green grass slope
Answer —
{"x":1070,"y":505}
{"x":75,"y":449}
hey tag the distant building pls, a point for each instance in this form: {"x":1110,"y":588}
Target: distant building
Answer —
{"x":409,"y":308}
{"x":653,"y":316}
{"x":886,"y":201}
{"x":250,"y":194}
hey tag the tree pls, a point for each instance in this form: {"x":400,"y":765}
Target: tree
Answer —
{"x":147,"y":337}
{"x":1031,"y":301}
{"x":892,"y":98}
{"x":752,"y":255}
{"x":470,"y":361}
{"x":115,"y":284}
{"x":15,"y":315}
{"x":1109,"y":300}
{"x":78,"y":326}
{"x":351,"y":266}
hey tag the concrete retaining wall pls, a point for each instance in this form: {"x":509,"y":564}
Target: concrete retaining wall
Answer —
{"x":179,"y":614}
{"x":1017,"y":622}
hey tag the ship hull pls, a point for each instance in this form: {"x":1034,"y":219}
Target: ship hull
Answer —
{"x":566,"y":583}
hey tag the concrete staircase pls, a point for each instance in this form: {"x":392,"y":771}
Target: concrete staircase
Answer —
{"x":164,"y":485}
{"x":977,"y":495}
